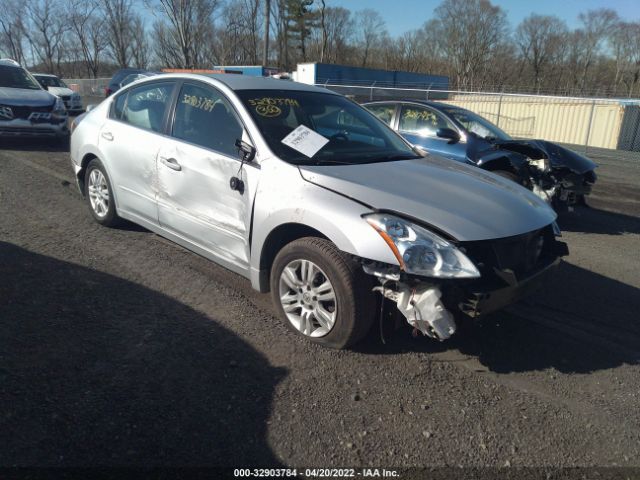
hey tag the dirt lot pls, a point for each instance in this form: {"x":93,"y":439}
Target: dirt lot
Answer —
{"x":119,"y":348}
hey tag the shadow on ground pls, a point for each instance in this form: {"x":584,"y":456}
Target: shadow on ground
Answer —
{"x":36,"y":144}
{"x":597,"y":328}
{"x":593,"y":220}
{"x":96,"y":370}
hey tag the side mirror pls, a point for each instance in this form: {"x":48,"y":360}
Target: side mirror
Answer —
{"x":246,"y":152}
{"x":46,"y":87}
{"x":420,"y":151}
{"x":448,"y":134}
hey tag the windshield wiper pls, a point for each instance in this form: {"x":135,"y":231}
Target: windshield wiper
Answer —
{"x":399,"y":156}
{"x":334,"y":162}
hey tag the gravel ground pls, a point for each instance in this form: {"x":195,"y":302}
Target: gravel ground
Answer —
{"x":119,"y":348}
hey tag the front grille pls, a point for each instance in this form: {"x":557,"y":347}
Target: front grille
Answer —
{"x":66,"y":98}
{"x":520,"y":254}
{"x":23,"y":112}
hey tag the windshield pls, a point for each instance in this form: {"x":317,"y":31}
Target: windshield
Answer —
{"x":476,"y":124}
{"x":16,"y":77}
{"x":352,"y":134}
{"x":50,"y":81}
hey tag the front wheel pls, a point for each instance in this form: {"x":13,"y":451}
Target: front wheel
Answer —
{"x":321,"y":293}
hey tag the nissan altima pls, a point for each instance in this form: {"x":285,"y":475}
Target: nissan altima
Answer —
{"x":312,"y":198}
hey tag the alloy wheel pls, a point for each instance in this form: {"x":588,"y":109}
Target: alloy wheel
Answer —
{"x":308,"y":298}
{"x":98,"y":193}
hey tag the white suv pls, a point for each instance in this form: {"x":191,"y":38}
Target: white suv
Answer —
{"x":72,"y":100}
{"x":26,"y":109}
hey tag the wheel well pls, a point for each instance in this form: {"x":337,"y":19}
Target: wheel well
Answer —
{"x":83,"y":166}
{"x":276,"y":240}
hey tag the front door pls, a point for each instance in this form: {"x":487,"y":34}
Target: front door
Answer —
{"x":195,"y":166}
{"x":419,"y":124}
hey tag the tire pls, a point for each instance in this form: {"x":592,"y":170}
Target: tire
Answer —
{"x":105,"y":214}
{"x":353,"y":303}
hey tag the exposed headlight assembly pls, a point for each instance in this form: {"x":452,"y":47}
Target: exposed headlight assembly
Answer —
{"x":541,"y":164}
{"x":420,"y":251}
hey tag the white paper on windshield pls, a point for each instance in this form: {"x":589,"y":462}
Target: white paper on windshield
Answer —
{"x":305,"y":140}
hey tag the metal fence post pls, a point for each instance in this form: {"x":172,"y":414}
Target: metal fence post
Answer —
{"x":586,"y":140}
{"x":499,"y":109}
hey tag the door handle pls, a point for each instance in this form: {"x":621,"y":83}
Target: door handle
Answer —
{"x":172,"y":163}
{"x":107,"y":136}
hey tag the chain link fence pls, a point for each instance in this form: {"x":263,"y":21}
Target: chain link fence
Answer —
{"x":601,"y":127}
{"x":91,"y":87}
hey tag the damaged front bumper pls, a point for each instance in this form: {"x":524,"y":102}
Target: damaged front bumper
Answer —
{"x":573,"y":186}
{"x":430,"y":305}
{"x":23,"y":128}
{"x":479,"y":301}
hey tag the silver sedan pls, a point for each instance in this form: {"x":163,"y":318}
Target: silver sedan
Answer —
{"x":313,"y":198}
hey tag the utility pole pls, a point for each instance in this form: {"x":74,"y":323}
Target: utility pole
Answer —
{"x":267,"y":14}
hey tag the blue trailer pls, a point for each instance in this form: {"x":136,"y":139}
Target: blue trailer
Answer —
{"x":326,"y":73}
{"x":251,"y":70}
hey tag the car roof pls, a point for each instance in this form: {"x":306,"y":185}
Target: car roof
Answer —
{"x":7,"y":62}
{"x":44,"y":75}
{"x":428,"y":103}
{"x":247,"y":82}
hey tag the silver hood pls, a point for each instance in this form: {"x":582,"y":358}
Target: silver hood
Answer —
{"x":25,"y":97}
{"x":463,"y":201}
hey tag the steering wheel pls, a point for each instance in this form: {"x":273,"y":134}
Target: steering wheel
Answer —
{"x":340,"y":136}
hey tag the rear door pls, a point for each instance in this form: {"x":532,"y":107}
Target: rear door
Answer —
{"x":419,"y":124}
{"x":195,"y":166}
{"x":130,"y":140}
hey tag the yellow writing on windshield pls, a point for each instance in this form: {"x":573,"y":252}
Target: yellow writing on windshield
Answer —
{"x":423,"y":115}
{"x":270,"y":106}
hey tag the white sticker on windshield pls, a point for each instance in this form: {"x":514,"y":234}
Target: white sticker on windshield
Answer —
{"x":305,"y":140}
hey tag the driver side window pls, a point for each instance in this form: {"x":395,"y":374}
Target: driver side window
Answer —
{"x":205,"y":118}
{"x":422,"y":121}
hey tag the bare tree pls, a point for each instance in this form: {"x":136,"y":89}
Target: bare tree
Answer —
{"x":625,"y":43}
{"x":470,"y":31}
{"x":46,"y":31}
{"x":87,"y":27}
{"x":139,"y":43}
{"x":597,"y":25}
{"x":12,"y":36}
{"x":119,"y":17}
{"x":182,"y":26}
{"x":371,"y":29}
{"x":539,"y":38}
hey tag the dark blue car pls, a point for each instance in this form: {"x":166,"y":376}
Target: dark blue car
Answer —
{"x":557,"y":174}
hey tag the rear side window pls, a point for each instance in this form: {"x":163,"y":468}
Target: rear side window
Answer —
{"x":205,"y":118}
{"x":383,"y":112}
{"x":143,"y":106}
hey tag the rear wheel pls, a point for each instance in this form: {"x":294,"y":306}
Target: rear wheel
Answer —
{"x":321,"y":293}
{"x":99,"y":195}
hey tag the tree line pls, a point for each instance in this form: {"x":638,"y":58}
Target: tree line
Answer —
{"x":471,"y":41}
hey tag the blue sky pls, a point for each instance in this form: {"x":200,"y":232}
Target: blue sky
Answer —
{"x":403,"y":15}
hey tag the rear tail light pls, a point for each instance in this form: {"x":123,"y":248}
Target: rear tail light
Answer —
{"x":107,"y":91}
